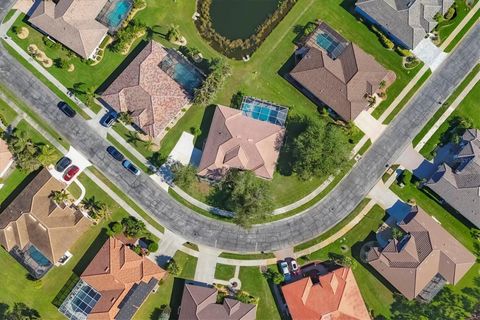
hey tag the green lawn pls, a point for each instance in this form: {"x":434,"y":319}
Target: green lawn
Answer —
{"x":254,"y":283}
{"x":333,"y":230}
{"x":11,"y":182}
{"x":365,"y":147}
{"x":224,"y":272}
{"x":445,"y":28}
{"x":253,"y":256}
{"x":17,"y":288}
{"x":375,"y":292}
{"x":462,"y":32}
{"x":7,"y":112}
{"x":74,"y":190}
{"x":168,"y":287}
{"x":468,"y":108}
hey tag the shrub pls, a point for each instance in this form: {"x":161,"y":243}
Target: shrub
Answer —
{"x":133,"y":228}
{"x":173,"y":268}
{"x":116,"y":227}
{"x":184,"y":176}
{"x":195,"y":131}
{"x":236,"y":101}
{"x":152,"y":246}
{"x":403,"y":52}
{"x":450,"y":13}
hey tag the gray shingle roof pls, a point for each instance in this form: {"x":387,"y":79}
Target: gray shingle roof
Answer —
{"x":408,"y":20}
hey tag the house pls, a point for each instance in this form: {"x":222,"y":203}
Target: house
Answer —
{"x":199,"y":302}
{"x":6,"y":158}
{"x":406,"y":22}
{"x":459,"y":183}
{"x":423,"y":259}
{"x":153,"y":88}
{"x":37,"y":231}
{"x":114,"y":285}
{"x":72,"y":23}
{"x":333,"y":71}
{"x":326,"y":296}
{"x":236,"y":140}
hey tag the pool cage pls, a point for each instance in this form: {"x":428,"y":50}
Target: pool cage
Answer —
{"x":112,"y":19}
{"x":34,"y":267}
{"x":329,"y":40}
{"x":264,"y":111}
{"x":80,"y":302}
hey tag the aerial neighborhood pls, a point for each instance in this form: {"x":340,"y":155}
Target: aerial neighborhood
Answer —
{"x":239,"y":160}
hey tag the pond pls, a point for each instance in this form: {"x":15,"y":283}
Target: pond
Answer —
{"x":239,"y":19}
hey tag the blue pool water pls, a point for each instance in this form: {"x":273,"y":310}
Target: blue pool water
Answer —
{"x":326,"y":42}
{"x":39,"y":258}
{"x":187,"y":77}
{"x":263,"y":111}
{"x":118,"y":13}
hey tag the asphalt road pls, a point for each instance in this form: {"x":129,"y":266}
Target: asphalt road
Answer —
{"x":273,"y":236}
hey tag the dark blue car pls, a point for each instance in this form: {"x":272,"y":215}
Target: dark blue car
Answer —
{"x":115,"y":153}
{"x":108,"y":119}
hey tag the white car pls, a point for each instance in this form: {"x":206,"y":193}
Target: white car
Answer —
{"x":284,"y":268}
{"x":294,"y":266}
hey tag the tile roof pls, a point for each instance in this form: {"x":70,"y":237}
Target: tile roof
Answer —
{"x":113,"y":272}
{"x":32,"y":217}
{"x":238,"y":141}
{"x":408,"y":20}
{"x":6,"y":156}
{"x":342,"y":83}
{"x":148,"y":92}
{"x":332,"y":296}
{"x":425,"y":251}
{"x":200,"y":303}
{"x":460,"y":188}
{"x":71,"y":22}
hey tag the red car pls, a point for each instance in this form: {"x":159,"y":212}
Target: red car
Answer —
{"x":70,"y":173}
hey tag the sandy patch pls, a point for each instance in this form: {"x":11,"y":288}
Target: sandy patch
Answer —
{"x":23,"y":33}
{"x":71,"y":67}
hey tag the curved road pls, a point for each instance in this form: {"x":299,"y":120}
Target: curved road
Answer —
{"x":272,"y":236}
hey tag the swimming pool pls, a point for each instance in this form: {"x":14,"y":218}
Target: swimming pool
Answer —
{"x":327,"y":43}
{"x":117,"y":13}
{"x":264,"y":111}
{"x":38,"y":257}
{"x":187,"y":77}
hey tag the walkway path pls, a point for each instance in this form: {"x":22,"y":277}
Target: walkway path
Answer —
{"x":448,"y":112}
{"x":170,"y":244}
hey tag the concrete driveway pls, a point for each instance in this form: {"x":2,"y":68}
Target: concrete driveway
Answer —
{"x":413,"y":161}
{"x":430,"y":54}
{"x":372,"y":128}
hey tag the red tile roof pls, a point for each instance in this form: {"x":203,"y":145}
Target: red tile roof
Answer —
{"x":334,"y":295}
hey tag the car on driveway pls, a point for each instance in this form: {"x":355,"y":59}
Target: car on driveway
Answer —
{"x":130,"y":167}
{"x":283,"y":265}
{"x":108,"y":119}
{"x":65,"y":108}
{"x":71,"y":172}
{"x":294,"y":266}
{"x":115,"y":153}
{"x":63,"y":164}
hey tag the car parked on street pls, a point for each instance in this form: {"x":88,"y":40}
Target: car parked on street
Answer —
{"x":115,"y":153}
{"x":71,"y":172}
{"x":108,"y":119}
{"x":65,"y":108}
{"x":130,"y":167}
{"x":63,"y":164}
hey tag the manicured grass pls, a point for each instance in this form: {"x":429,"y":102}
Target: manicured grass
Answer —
{"x":127,"y":199}
{"x":446,"y":104}
{"x":333,"y":230}
{"x":407,"y":97}
{"x":375,"y":292}
{"x":365,"y":147}
{"x":74,"y":190}
{"x":7,"y":112}
{"x":468,"y":108}
{"x":224,"y":272}
{"x":255,"y":284}
{"x":9,"y":15}
{"x":152,"y":306}
{"x":445,"y":28}
{"x":16,"y":287}
{"x":25,"y":108}
{"x":427,"y":201}
{"x":11,"y":182}
{"x":463,"y":32}
{"x":34,"y":135}
{"x":45,"y":81}
{"x":127,"y":153}
{"x":252,"y":256}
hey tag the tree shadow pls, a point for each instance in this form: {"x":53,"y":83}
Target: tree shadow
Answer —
{"x":205,"y":126}
{"x":349,"y":6}
{"x":91,"y":252}
{"x":14,"y":194}
{"x":3,"y":310}
{"x":176,"y":298}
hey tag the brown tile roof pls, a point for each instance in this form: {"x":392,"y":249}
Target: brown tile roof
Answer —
{"x":342,"y":83}
{"x":200,"y":303}
{"x":237,"y":141}
{"x":32,"y":217}
{"x":427,"y":250}
{"x":5,"y":155}
{"x":113,"y":272}
{"x":148,"y":92}
{"x":71,"y":22}
{"x":334,"y":295}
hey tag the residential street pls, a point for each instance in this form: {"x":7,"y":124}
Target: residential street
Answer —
{"x":273,"y":236}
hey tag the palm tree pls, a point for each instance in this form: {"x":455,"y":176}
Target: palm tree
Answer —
{"x":59,"y":196}
{"x":132,"y":137}
{"x":91,"y":204}
{"x":47,"y":155}
{"x":125,"y":117}
{"x":173,"y":33}
{"x":150,"y":144}
{"x":103,"y":211}
{"x":22,"y":142}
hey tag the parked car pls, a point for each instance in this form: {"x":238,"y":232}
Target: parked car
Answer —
{"x":284,"y":269}
{"x":71,"y":172}
{"x":130,"y":167}
{"x":108,"y":119}
{"x":115,"y":153}
{"x":294,"y":265}
{"x":63,"y":164}
{"x":69,"y":112}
